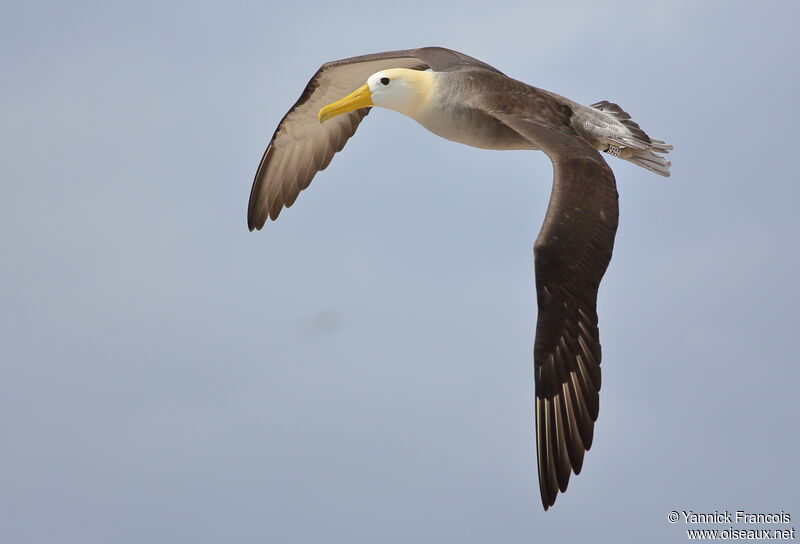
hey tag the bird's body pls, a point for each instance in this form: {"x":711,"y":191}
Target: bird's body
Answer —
{"x":467,"y":101}
{"x":446,"y":113}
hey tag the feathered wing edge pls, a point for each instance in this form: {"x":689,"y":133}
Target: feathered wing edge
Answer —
{"x":301,"y":146}
{"x":571,"y":255}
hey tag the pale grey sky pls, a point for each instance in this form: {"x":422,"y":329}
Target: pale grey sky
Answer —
{"x":361,"y":370}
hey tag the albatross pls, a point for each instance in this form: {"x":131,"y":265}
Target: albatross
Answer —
{"x":468,"y":101}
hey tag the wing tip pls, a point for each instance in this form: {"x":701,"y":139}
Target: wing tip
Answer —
{"x":256,"y":221}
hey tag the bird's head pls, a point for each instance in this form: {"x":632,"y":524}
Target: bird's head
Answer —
{"x":400,"y":89}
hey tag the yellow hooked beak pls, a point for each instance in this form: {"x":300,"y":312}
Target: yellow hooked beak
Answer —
{"x":360,"y":98}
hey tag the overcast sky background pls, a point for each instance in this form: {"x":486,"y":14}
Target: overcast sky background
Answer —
{"x":361,"y":370}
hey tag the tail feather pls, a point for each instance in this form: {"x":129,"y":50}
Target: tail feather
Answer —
{"x":624,"y":138}
{"x":660,"y":145}
{"x":647,"y":159}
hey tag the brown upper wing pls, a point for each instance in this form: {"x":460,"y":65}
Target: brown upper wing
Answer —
{"x":571,"y":255}
{"x":301,"y":146}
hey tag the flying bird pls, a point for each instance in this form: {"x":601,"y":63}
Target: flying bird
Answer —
{"x":468,"y":101}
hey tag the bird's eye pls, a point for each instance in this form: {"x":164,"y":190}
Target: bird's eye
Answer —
{"x":385,"y":80}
